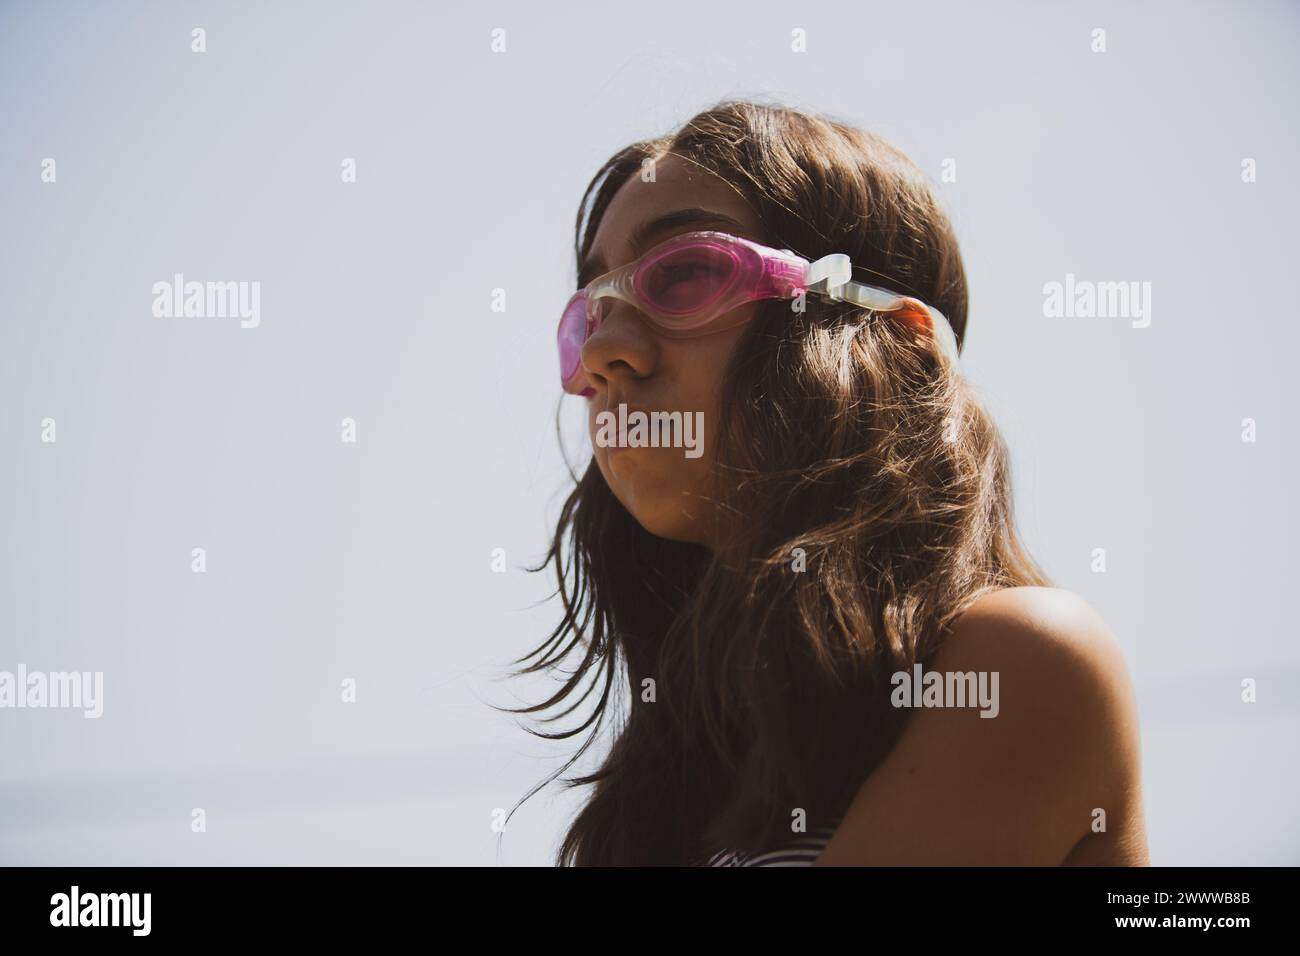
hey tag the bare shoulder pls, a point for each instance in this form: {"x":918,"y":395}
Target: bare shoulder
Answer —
{"x":1064,"y":680}
{"x":1055,"y":632}
{"x":1018,"y":777}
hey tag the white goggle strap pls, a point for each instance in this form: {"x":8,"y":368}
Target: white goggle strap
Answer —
{"x":828,"y":274}
{"x":830,"y":277}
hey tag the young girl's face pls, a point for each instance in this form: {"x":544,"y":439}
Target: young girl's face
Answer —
{"x":668,"y":492}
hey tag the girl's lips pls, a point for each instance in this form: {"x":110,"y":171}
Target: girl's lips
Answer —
{"x":613,"y":409}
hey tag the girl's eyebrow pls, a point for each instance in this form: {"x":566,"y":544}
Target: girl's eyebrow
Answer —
{"x":647,"y":233}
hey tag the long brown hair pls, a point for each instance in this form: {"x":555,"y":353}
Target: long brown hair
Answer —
{"x":747,"y":686}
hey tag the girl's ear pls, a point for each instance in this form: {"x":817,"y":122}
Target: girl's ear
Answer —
{"x":916,"y":315}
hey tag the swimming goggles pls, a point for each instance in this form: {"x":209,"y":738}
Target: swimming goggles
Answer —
{"x":689,"y":285}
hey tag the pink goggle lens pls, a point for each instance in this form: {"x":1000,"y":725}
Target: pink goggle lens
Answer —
{"x":686,"y":281}
{"x":678,"y":285}
{"x":572,"y":335}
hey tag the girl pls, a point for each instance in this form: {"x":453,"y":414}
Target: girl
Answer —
{"x":818,"y":638}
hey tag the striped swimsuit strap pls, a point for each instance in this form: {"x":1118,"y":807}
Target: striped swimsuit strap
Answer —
{"x":803,"y":850}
